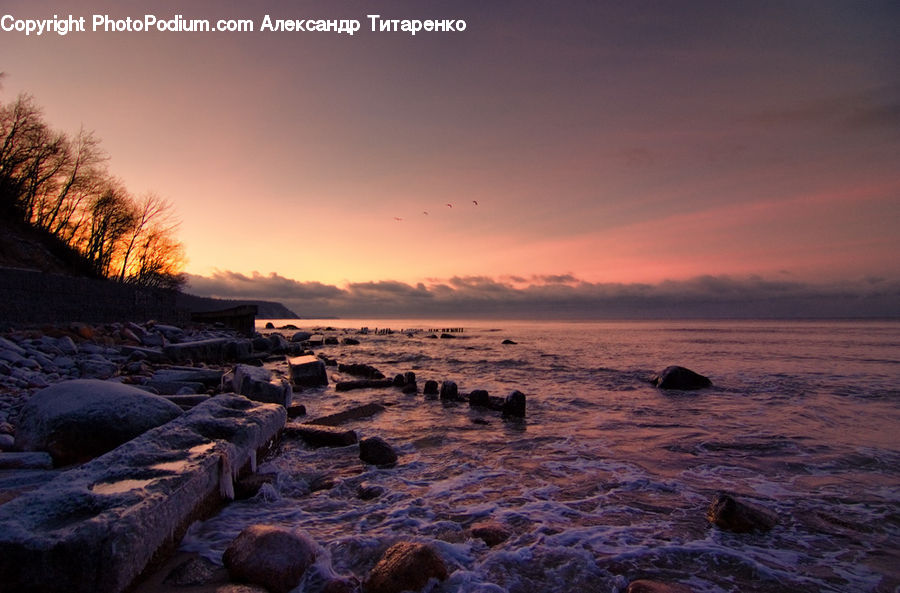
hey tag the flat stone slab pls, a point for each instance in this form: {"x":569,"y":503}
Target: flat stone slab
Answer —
{"x":321,"y":436}
{"x":97,"y":527}
{"x":356,"y":413}
{"x":307,"y":371}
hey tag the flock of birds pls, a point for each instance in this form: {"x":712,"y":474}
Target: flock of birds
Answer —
{"x":425,"y":212}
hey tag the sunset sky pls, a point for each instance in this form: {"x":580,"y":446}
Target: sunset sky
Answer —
{"x":610,"y":146}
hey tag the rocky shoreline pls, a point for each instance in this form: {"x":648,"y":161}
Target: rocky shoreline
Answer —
{"x":184,"y":369}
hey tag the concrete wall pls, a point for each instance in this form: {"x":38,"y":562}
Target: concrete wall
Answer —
{"x":29,"y":297}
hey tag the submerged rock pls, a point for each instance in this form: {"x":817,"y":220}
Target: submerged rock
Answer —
{"x":731,"y":514}
{"x":644,"y":586}
{"x":491,"y":533}
{"x":449,"y":391}
{"x":274,"y":557}
{"x":514,"y":405}
{"x":377,"y":451}
{"x":431,"y":388}
{"x":78,"y":420}
{"x":321,"y":436}
{"x":676,"y":377}
{"x":405,"y":566}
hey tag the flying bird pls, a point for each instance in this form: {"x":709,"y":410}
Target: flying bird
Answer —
{"x":397,"y":218}
{"x":475,"y":202}
{"x":449,"y":205}
{"x":425,"y":212}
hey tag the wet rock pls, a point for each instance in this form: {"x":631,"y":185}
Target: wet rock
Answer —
{"x":350,"y":342}
{"x":354,"y":413}
{"x":405,"y":566}
{"x":448,"y":337}
{"x":508,"y":343}
{"x":316,"y":340}
{"x":10,"y":345}
{"x":363,"y":384}
{"x":78,"y":420}
{"x":431,"y":388}
{"x":645,"y":586}
{"x":296,"y":410}
{"x":192,"y":572}
{"x":173,"y":387}
{"x":341,"y":585}
{"x":307,"y":371}
{"x":248,"y":486}
{"x":731,"y":514}
{"x":491,"y":533}
{"x":368,"y":491}
{"x":274,"y":557}
{"x":377,"y":451}
{"x":449,"y":391}
{"x":676,"y":377}
{"x":409,"y":377}
{"x":301,"y":337}
{"x":399,"y":381}
{"x":410,"y":389}
{"x":514,"y":405}
{"x":270,"y":325}
{"x":321,"y":436}
{"x":361,"y":370}
{"x":480,"y":398}
{"x":331,"y":341}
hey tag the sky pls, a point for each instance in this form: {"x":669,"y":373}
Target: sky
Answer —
{"x":598,"y":158}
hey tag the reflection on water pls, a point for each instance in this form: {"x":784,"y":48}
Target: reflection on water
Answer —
{"x":608,"y":479}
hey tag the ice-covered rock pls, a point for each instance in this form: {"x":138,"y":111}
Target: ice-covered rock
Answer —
{"x":274,"y":557}
{"x":96,"y":528}
{"x":78,"y":420}
{"x":257,"y":384}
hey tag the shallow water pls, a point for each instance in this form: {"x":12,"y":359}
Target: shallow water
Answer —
{"x":608,"y":479}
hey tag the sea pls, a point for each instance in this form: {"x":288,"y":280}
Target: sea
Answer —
{"x":608,"y":478}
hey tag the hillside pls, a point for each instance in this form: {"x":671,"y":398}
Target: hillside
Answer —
{"x":25,"y":247}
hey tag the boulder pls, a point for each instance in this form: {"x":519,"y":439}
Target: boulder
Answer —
{"x":405,"y":566}
{"x":676,"y":377}
{"x":300,"y":336}
{"x":296,"y":410}
{"x":361,"y":370}
{"x":270,"y":325}
{"x":39,"y":460}
{"x":508,"y":343}
{"x":731,"y":514}
{"x":480,"y":398}
{"x":78,"y":420}
{"x":431,"y":388}
{"x":321,"y":436}
{"x":307,"y":371}
{"x":644,"y":586}
{"x":354,"y":413}
{"x":274,"y":557}
{"x":331,"y":341}
{"x":449,"y":391}
{"x":363,"y":384}
{"x":377,"y":451}
{"x":97,"y":368}
{"x":257,"y":384}
{"x":491,"y":533}
{"x":514,"y":405}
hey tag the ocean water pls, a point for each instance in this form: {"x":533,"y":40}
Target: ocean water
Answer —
{"x":608,"y":478}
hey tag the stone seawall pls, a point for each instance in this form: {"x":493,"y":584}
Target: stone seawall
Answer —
{"x":30,"y":297}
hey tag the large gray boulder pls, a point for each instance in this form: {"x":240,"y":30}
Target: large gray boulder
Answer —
{"x":78,"y":420}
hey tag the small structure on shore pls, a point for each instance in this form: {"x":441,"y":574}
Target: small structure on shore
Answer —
{"x":242,"y":318}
